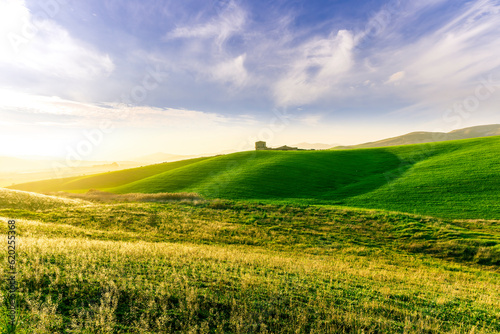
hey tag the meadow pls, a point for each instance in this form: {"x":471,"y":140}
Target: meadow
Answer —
{"x":402,"y":239}
{"x":222,"y":266}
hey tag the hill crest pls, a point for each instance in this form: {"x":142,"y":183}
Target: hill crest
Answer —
{"x":421,"y":137}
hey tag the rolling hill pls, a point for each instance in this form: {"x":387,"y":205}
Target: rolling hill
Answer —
{"x":458,"y":179}
{"x":430,"y":137}
{"x":102,"y":180}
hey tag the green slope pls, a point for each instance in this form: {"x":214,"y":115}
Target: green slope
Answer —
{"x":102,"y":180}
{"x":462,"y":181}
{"x":272,"y":174}
{"x":459,"y":179}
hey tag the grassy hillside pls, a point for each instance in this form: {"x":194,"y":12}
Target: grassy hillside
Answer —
{"x":102,"y":180}
{"x":272,"y":174}
{"x":429,"y":137}
{"x":462,"y":181}
{"x":235,"y":267}
{"x":458,"y":179}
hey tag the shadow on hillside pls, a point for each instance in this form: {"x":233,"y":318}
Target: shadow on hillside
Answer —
{"x":381,"y":168}
{"x":322,"y":175}
{"x":395,"y":168}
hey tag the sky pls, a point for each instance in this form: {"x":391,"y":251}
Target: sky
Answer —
{"x":111,"y":79}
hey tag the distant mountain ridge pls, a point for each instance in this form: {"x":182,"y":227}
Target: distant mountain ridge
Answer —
{"x":421,"y":137}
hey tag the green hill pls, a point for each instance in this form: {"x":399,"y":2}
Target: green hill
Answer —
{"x":102,"y":180}
{"x":458,"y":179}
{"x":462,"y":180}
{"x":429,"y":137}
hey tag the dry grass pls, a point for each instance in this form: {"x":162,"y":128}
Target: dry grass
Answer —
{"x":106,"y":197}
{"x":80,"y":285}
{"x":27,"y":200}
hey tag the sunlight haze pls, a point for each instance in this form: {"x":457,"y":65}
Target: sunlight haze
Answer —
{"x":208,"y":77}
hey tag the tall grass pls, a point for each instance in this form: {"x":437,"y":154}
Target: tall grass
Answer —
{"x":221,"y":266}
{"x":88,"y":286}
{"x":102,"y":196}
{"x":24,"y":200}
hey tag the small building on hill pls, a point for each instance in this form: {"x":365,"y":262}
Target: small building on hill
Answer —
{"x":260,"y":145}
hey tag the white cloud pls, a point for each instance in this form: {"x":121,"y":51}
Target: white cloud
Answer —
{"x":396,"y":77}
{"x":391,"y":61}
{"x":35,"y":43}
{"x":442,"y":63}
{"x":88,"y":114}
{"x":462,"y":50}
{"x":230,"y":20}
{"x":317,"y":68}
{"x":56,"y":126}
{"x":232,"y":71}
{"x":433,"y":68}
{"x":205,"y":52}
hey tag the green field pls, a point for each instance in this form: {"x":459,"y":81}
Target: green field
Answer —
{"x":402,"y":239}
{"x":454,"y":179}
{"x":220,"y":266}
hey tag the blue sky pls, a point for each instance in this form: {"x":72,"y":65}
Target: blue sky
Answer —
{"x":205,"y":76}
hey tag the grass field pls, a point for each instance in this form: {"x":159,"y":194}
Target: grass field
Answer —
{"x":454,"y":179}
{"x":265,"y":242}
{"x":220,"y":266}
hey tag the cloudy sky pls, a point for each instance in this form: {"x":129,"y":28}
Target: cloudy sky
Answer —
{"x":112,"y":79}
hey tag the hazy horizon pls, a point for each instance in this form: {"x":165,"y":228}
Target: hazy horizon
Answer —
{"x":117,"y":80}
{"x":71,"y":154}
